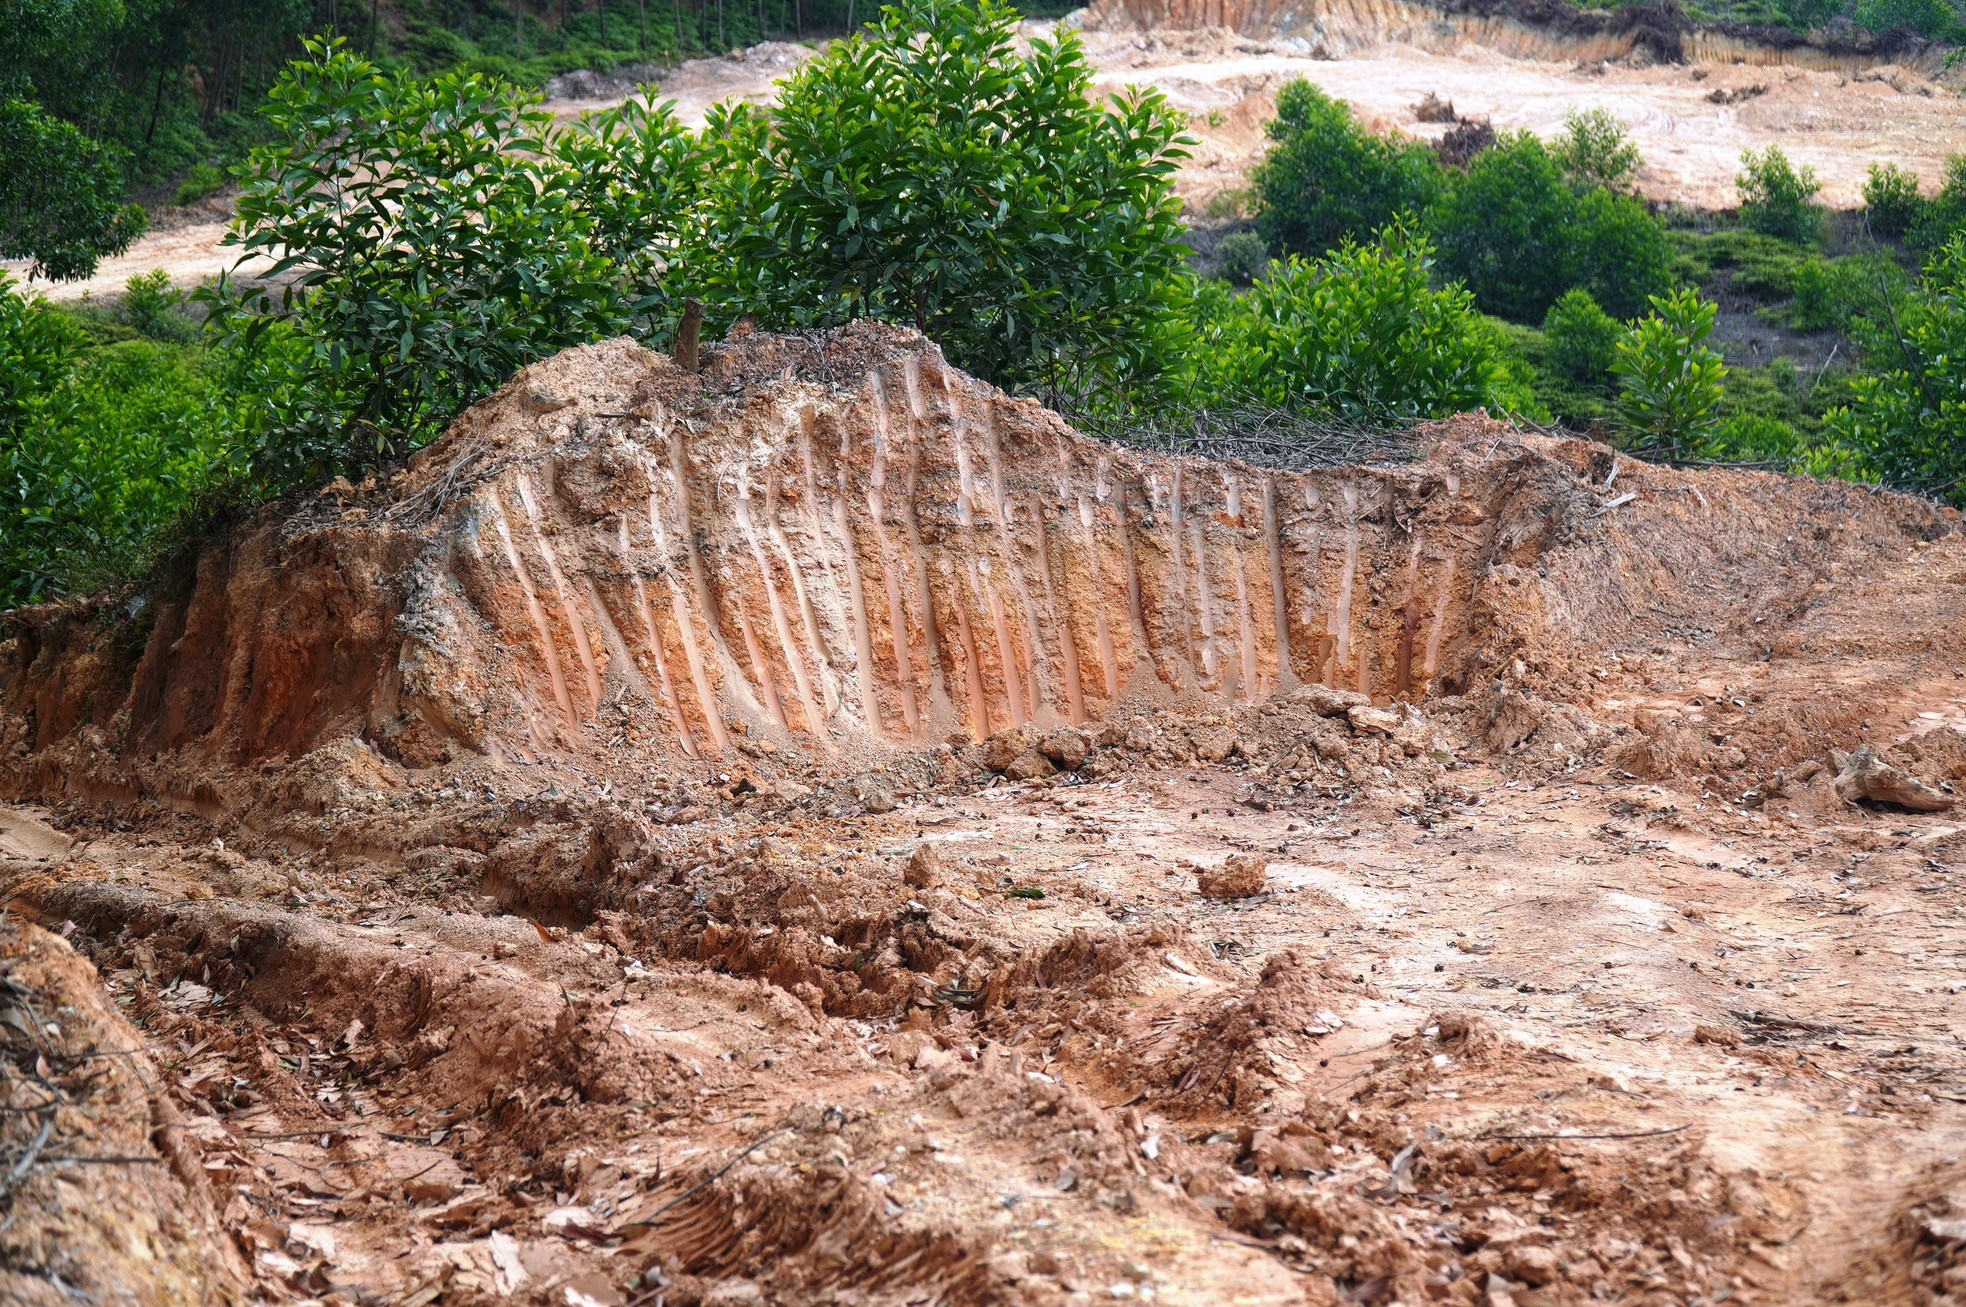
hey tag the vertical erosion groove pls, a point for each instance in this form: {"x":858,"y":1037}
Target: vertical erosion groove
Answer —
{"x":897,"y":613}
{"x":664,"y":681}
{"x":538,"y":614}
{"x":1279,"y":597}
{"x":685,"y":627}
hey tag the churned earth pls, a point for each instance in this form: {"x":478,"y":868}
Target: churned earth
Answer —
{"x":818,"y":830}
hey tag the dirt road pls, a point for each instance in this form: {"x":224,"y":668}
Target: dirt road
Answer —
{"x":569,"y":872}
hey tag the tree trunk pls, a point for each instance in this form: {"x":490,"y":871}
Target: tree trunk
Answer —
{"x":602,"y":6}
{"x":644,"y":6}
{"x":156,"y":103}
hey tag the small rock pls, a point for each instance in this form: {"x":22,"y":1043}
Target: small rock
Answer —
{"x":1718,"y":1035}
{"x":1328,"y":700}
{"x":1029,"y":765}
{"x":925,"y":867}
{"x":1366,"y":719}
{"x":1214,"y":743}
{"x":1005,"y":747}
{"x":1067,"y":747}
{"x":1240,"y":877}
{"x":1533,"y":1264}
{"x":875,"y":793}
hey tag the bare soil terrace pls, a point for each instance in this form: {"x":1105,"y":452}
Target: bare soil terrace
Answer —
{"x":818,"y":830}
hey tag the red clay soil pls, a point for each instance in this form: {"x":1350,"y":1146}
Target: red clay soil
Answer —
{"x":818,"y":830}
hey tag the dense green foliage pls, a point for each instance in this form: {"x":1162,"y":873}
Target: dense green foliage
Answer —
{"x":1671,"y":381}
{"x":1360,"y":336}
{"x":1519,"y":235}
{"x":1934,"y":20}
{"x":1906,"y":420}
{"x":1240,"y":257}
{"x":1328,"y":179}
{"x":1892,"y":203}
{"x":1777,"y":197}
{"x":434,"y":237}
{"x":101,"y":446}
{"x":1581,"y":340}
{"x":926,"y":172}
{"x":1594,"y":149}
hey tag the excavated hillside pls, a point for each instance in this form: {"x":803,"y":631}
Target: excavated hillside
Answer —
{"x":819,"y":830}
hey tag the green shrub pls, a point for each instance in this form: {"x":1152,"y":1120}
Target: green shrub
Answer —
{"x":1327,"y":179}
{"x":1931,"y":19}
{"x":100,"y":449}
{"x":1891,"y":199}
{"x":1905,"y":423}
{"x":155,"y":308}
{"x":1519,"y":235}
{"x":436,"y":236}
{"x":1595,"y":149}
{"x":1358,"y":336}
{"x":61,"y":193}
{"x":1777,"y":197}
{"x":924,"y":171}
{"x":1944,"y":215}
{"x":1580,"y":339}
{"x":1672,"y":383}
{"x":200,"y":180}
{"x":1753,"y":438}
{"x":1241,"y":257}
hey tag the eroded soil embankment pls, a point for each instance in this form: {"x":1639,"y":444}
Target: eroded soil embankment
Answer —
{"x":568,"y":872}
{"x":841,"y":545}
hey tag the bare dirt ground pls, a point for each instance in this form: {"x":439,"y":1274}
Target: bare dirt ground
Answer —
{"x":570,"y":872}
{"x":1691,"y":121}
{"x":1835,"y":122}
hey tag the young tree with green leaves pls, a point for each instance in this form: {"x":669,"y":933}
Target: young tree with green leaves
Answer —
{"x":62,"y":201}
{"x":1672,"y":382}
{"x":428,"y":238}
{"x":1906,"y":422}
{"x":1595,"y":149}
{"x":1327,"y":178}
{"x":1778,"y":197}
{"x":1360,"y":336}
{"x":924,"y":171}
{"x":1519,"y":234}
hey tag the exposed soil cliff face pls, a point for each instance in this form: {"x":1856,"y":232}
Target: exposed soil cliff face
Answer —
{"x":568,"y":871}
{"x":842,"y":543}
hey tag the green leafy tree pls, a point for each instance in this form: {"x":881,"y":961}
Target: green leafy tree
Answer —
{"x":1327,"y":178}
{"x":924,"y":171}
{"x":1932,"y":19}
{"x":1778,"y":197}
{"x":1581,"y":339}
{"x":1944,"y":215}
{"x":1892,"y":203}
{"x":1906,"y":422}
{"x":1595,"y":149}
{"x":1241,"y":257}
{"x":100,"y":449}
{"x":1359,"y":335}
{"x":61,"y":194}
{"x":1518,"y":234}
{"x":1672,"y":382}
{"x":429,"y":238}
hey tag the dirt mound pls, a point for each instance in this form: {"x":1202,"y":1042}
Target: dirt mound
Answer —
{"x":822,"y":546}
{"x":820,"y":830}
